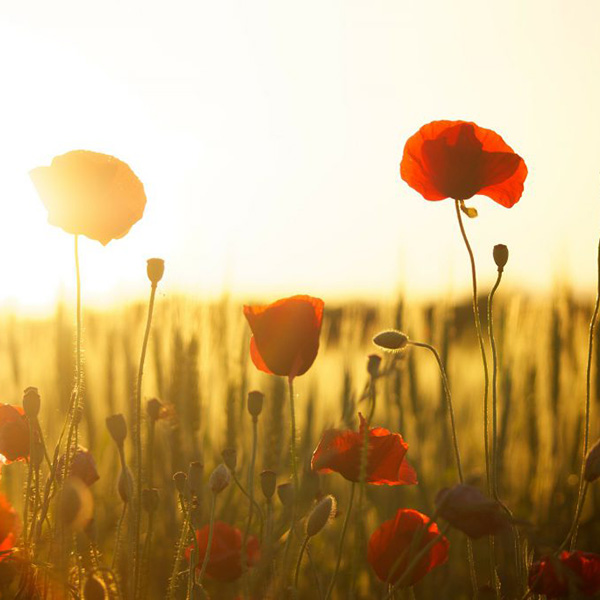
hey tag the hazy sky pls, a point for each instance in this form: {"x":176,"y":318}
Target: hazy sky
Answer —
{"x":268,"y":136}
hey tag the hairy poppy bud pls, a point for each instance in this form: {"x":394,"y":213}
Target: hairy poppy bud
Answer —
{"x":373,"y":364}
{"x":31,"y":402}
{"x":320,"y":515}
{"x":391,"y":340}
{"x":155,"y":270}
{"x":500,"y":256}
{"x":180,"y":478}
{"x":150,"y":499}
{"x":117,"y":428}
{"x":125,"y":485}
{"x":229,"y":456}
{"x":268,"y":483}
{"x":219,"y":479}
{"x":592,"y":463}
{"x":285,"y":491}
{"x":255,"y":403}
{"x":194,"y":477}
{"x":154,"y":407}
{"x":94,"y":589}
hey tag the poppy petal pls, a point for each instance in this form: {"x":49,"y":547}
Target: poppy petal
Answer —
{"x":257,"y":359}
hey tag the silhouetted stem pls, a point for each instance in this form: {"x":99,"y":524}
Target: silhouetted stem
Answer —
{"x":293,"y":437}
{"x":179,"y":554}
{"x":210,"y":538}
{"x":250,"y":492}
{"x":118,"y":537}
{"x":300,"y":555}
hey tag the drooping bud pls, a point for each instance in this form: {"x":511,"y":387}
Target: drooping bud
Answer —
{"x":94,"y":589}
{"x":117,"y":428}
{"x":31,"y":402}
{"x":150,"y":499}
{"x":194,"y":477}
{"x":219,"y":479}
{"x":125,"y":485}
{"x":230,"y":458}
{"x":180,"y":478}
{"x":373,"y":364}
{"x":391,"y":340}
{"x":285,"y":491}
{"x":500,"y":256}
{"x":268,"y":483}
{"x":255,"y":403}
{"x":592,"y":463}
{"x":154,"y":408}
{"x":320,"y":515}
{"x":155,"y":270}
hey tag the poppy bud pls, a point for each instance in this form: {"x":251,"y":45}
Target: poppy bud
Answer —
{"x":155,"y":270}
{"x":255,"y":403}
{"x":500,"y":256}
{"x":31,"y":402}
{"x":268,"y":482}
{"x":150,"y":499}
{"x":391,"y":340}
{"x":230,"y":458}
{"x":154,"y":407}
{"x":75,"y":504}
{"x":373,"y":364}
{"x":592,"y":463}
{"x":219,"y":479}
{"x":320,"y":515}
{"x":117,"y":428}
{"x":180,"y":478}
{"x":125,"y":485}
{"x":194,"y":477}
{"x":285,"y":491}
{"x":94,"y":589}
{"x":82,"y":465}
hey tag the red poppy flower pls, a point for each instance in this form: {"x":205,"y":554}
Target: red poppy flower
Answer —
{"x":458,"y":159}
{"x":467,"y":509}
{"x":340,"y":451}
{"x":285,"y":338}
{"x":390,"y":551}
{"x":225,"y":561}
{"x":9,"y":526}
{"x":14,"y":433}
{"x":571,"y":572}
{"x":92,"y":194}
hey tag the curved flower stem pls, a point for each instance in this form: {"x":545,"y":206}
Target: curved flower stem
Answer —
{"x":118,"y":537}
{"x":341,"y":543}
{"x":257,"y":508}
{"x":300,"y":555}
{"x":250,"y":492}
{"x":573,"y":531}
{"x":211,"y":527}
{"x":138,"y":447}
{"x":586,"y":430}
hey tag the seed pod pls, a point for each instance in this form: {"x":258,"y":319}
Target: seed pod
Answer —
{"x":155,"y":270}
{"x":117,"y":428}
{"x":219,"y":479}
{"x":500,"y":256}
{"x":125,"y":485}
{"x":180,"y":478}
{"x":230,"y":458}
{"x":592,"y":463}
{"x":150,"y":499}
{"x":154,"y":408}
{"x":31,"y":402}
{"x":255,"y":403}
{"x":391,"y":340}
{"x":268,"y":483}
{"x":94,"y":589}
{"x":320,"y":515}
{"x":194,"y":477}
{"x":373,"y":365}
{"x":285,"y":491}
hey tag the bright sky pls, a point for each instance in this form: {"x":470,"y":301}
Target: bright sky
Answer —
{"x":268,"y":136}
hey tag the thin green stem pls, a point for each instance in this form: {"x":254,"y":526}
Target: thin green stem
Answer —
{"x":250,"y":491}
{"x":118,"y":537}
{"x":179,"y":555}
{"x":138,"y":448}
{"x":210,"y":538}
{"x":341,"y":542}
{"x":293,"y":437}
{"x":299,"y":561}
{"x":575,"y":525}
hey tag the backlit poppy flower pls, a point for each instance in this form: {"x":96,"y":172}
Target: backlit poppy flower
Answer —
{"x":285,"y":338}
{"x":225,"y":561}
{"x":14,"y":433}
{"x":92,"y":194}
{"x":340,"y":451}
{"x":9,"y":526}
{"x":458,"y":159}
{"x":467,"y":509}
{"x":573,"y":572}
{"x":390,"y":552}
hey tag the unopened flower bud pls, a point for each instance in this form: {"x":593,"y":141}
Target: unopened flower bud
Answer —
{"x":194,"y":477}
{"x":125,"y":485}
{"x":94,"y":589}
{"x":373,"y":364}
{"x":82,"y":465}
{"x":155,"y":270}
{"x":592,"y":463}
{"x":391,"y":340}
{"x":255,"y":403}
{"x":180,"y":478}
{"x":500,"y":256}
{"x":320,"y":515}
{"x":285,"y":491}
{"x":219,"y":479}
{"x":117,"y":428}
{"x":150,"y":499}
{"x":154,"y":408}
{"x":268,"y":483}
{"x":31,"y":402}
{"x":230,"y":458}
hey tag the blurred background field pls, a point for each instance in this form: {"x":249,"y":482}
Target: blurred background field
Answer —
{"x":198,"y":365}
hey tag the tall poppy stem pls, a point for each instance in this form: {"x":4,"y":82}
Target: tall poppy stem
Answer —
{"x":250,"y":494}
{"x":210,"y":539}
{"x":137,"y":560}
{"x":299,"y":561}
{"x":293,"y":437}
